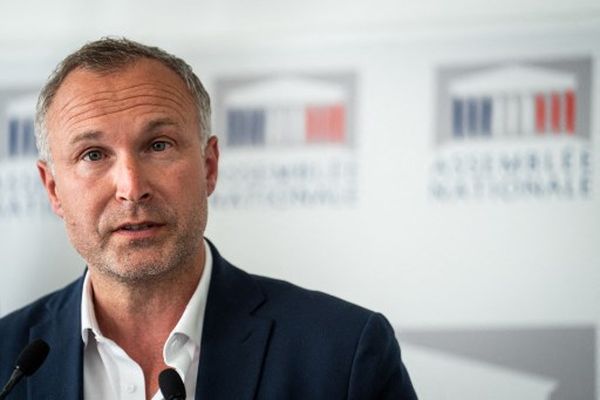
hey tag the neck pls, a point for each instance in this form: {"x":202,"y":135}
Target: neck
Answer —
{"x":139,"y":316}
{"x":150,"y":309}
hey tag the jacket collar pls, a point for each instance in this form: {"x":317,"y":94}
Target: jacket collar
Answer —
{"x":234,"y":340}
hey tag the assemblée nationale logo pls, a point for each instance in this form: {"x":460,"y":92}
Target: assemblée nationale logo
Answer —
{"x":21,"y":194}
{"x":513,"y":130}
{"x":289,"y":139}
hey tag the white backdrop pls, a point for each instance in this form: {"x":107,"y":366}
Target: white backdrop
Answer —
{"x":466,"y":282}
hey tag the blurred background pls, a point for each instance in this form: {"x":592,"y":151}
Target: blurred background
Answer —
{"x":431,"y":160}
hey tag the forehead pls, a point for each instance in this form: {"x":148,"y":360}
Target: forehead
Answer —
{"x":86,"y":94}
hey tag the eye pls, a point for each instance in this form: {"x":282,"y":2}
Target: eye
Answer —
{"x":93,"y":155}
{"x":160,"y":145}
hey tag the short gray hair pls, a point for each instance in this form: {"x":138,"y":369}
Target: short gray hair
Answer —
{"x":111,"y":54}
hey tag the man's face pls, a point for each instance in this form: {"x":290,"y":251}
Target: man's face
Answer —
{"x":130,"y":179}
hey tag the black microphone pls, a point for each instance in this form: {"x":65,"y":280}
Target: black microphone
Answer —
{"x":171,"y":385}
{"x":30,"y":359}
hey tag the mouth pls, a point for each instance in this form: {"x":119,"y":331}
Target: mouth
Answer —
{"x":137,"y":226}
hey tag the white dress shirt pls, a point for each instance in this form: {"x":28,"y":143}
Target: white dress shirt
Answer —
{"x":109,"y":373}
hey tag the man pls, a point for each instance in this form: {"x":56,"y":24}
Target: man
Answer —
{"x":128,"y":163}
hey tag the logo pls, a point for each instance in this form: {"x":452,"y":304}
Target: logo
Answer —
{"x":286,"y":112}
{"x":21,"y":193}
{"x":513,"y":130}
{"x":18,"y":139}
{"x":289,"y":140}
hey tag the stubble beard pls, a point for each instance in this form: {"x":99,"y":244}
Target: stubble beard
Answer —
{"x":169,"y":256}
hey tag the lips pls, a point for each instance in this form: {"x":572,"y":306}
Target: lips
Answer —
{"x":137,"y":226}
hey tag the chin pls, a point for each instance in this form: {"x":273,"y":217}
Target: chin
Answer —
{"x":139,"y":265}
{"x":128,"y":270}
{"x":141,"y":274}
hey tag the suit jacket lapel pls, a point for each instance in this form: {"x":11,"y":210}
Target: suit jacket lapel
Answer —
{"x":61,"y":375}
{"x":233,"y":340}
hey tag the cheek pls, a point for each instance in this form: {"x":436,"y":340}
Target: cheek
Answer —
{"x":190,"y":181}
{"x":80,"y":205}
{"x":188,"y":197}
{"x":78,"y":213}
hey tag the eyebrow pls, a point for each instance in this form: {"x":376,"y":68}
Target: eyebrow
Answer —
{"x":159,"y":123}
{"x":87,"y":135}
{"x":150,"y":126}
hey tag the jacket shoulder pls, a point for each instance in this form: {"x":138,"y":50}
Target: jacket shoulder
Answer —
{"x":287,"y":299}
{"x":347,"y":351}
{"x":14,"y":327}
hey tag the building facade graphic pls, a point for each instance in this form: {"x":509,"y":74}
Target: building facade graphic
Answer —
{"x":17,"y":137}
{"x":290,"y":140}
{"x":513,"y":130}
{"x":285,"y":112}
{"x":510,"y":100}
{"x":22,"y":196}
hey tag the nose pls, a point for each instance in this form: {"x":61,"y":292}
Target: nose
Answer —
{"x":131,"y":183}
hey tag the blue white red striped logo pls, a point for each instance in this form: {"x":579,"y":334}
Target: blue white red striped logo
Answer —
{"x":515,"y":100}
{"x":286,"y":112}
{"x":18,"y":139}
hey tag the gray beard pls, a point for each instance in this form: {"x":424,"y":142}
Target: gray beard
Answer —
{"x":153,"y":271}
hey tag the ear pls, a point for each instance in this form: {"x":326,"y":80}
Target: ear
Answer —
{"x":211,"y":164}
{"x":50,"y":186}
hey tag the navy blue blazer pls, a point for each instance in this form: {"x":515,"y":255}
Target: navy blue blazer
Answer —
{"x":263,"y":339}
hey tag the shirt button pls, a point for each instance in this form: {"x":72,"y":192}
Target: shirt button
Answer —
{"x":131,"y":388}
